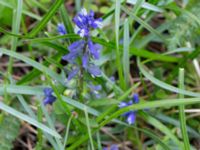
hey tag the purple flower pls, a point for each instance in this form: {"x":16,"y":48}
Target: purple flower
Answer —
{"x":112,"y":147}
{"x":84,"y":50}
{"x":136,"y":98}
{"x":61,"y":29}
{"x":71,"y":57}
{"x":112,"y":78}
{"x":131,"y":115}
{"x":77,"y":45}
{"x":95,"y":90}
{"x":94,"y":70}
{"x":75,"y":49}
{"x":94,"y":49}
{"x":84,"y":21}
{"x":95,"y":87}
{"x":72,"y":74}
{"x":49,"y":98}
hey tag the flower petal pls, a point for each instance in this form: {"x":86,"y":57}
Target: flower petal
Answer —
{"x":94,"y":49}
{"x":72,"y":74}
{"x":84,"y":32}
{"x":97,"y":23}
{"x":48,"y":91}
{"x":130,"y":103}
{"x":83,"y":12}
{"x":131,"y":118}
{"x":112,"y":78}
{"x":85,"y":21}
{"x":49,"y":100}
{"x":136,"y":98}
{"x":114,"y":147}
{"x":95,"y":87}
{"x":85,"y":60}
{"x":94,"y":70}
{"x":75,"y":46}
{"x":91,"y":13}
{"x":61,"y":29}
{"x":123,"y":104}
{"x":70,"y":57}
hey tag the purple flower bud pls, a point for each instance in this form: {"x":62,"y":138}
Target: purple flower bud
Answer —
{"x":136,"y":98}
{"x":112,"y":78}
{"x":91,"y":14}
{"x":49,"y":98}
{"x":84,"y":21}
{"x":61,"y":29}
{"x":123,"y":104}
{"x":131,"y":118}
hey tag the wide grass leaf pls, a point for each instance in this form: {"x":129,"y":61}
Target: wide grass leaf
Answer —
{"x":28,"y":119}
{"x":9,"y":130}
{"x":33,"y":63}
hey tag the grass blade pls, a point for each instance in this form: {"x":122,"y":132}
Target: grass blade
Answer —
{"x":7,"y":4}
{"x":17,"y":14}
{"x":146,"y":5}
{"x":118,"y":58}
{"x":148,"y":27}
{"x":67,"y":131}
{"x":133,"y":50}
{"x":46,"y":18}
{"x":126,"y":61}
{"x":175,"y":122}
{"x":33,"y":63}
{"x":163,"y":84}
{"x":137,"y":6}
{"x":66,"y":20}
{"x":28,"y":119}
{"x":140,"y":106}
{"x":51,"y":124}
{"x":157,"y":124}
{"x":182,"y":113}
{"x":88,"y":126}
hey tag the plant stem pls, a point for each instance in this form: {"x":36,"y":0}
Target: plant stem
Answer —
{"x":81,"y":84}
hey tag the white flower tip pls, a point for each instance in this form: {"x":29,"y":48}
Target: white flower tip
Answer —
{"x":84,"y":11}
{"x":82,"y":33}
{"x":76,"y":29}
{"x":99,"y":24}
